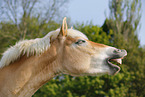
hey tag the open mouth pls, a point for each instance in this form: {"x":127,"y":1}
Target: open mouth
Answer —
{"x":115,"y":57}
{"x":112,"y":62}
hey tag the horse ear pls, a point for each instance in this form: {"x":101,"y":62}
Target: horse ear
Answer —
{"x":63,"y":29}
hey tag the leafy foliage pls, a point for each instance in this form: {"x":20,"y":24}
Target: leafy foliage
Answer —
{"x":67,"y":86}
{"x":124,"y":21}
{"x":129,"y":82}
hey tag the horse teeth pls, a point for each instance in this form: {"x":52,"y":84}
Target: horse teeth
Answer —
{"x":118,"y":61}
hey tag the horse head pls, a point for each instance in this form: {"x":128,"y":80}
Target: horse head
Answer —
{"x":83,"y":57}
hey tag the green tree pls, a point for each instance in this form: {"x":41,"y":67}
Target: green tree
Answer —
{"x":26,"y":19}
{"x":87,"y":86}
{"x":124,"y":22}
{"x":118,"y":32}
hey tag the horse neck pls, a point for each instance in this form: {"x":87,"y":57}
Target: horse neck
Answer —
{"x":25,"y":76}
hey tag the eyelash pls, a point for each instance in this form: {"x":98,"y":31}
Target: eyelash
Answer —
{"x":80,"y":41}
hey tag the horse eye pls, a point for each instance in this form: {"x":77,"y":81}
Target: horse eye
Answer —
{"x":80,"y":41}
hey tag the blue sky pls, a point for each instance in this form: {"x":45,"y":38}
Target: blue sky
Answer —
{"x":94,"y":10}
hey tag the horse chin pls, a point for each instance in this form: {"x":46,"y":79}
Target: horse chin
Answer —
{"x":87,"y":74}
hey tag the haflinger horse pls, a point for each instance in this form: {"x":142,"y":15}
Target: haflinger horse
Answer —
{"x":29,"y":64}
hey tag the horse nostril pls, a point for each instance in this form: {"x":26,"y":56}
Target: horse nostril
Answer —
{"x":119,"y":50}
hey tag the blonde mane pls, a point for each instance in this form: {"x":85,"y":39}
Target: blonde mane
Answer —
{"x":33,"y":47}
